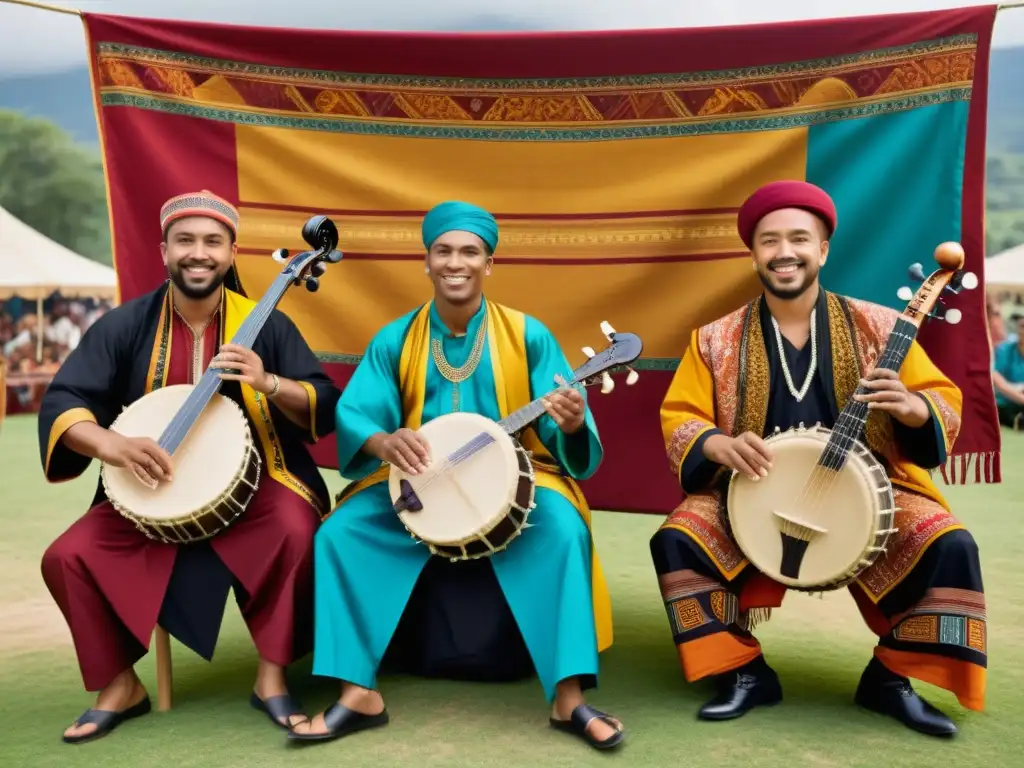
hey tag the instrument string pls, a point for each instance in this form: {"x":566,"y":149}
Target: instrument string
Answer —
{"x":210,"y":382}
{"x":511,"y":423}
{"x":851,"y":423}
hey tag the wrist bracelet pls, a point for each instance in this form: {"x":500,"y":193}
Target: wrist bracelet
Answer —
{"x":277,"y":385}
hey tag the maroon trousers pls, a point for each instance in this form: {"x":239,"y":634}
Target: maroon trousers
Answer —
{"x":109,"y":581}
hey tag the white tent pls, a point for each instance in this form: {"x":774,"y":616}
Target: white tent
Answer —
{"x":32,"y":266}
{"x":1005,"y":271}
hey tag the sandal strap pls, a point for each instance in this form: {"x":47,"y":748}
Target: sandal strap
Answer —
{"x":584,"y":714}
{"x":336,"y":715}
{"x":282,"y":706}
{"x":97,"y":717}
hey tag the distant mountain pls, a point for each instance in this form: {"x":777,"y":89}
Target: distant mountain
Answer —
{"x":66,"y":98}
{"x":1006,"y":101}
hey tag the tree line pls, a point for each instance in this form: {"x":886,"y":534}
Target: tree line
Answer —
{"x":54,"y":184}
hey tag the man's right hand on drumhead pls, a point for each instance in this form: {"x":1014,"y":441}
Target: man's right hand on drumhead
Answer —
{"x":150,"y":463}
{"x":406,"y":449}
{"x":746,"y":454}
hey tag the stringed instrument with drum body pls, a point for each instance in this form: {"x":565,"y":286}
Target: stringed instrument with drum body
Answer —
{"x":826,"y":510}
{"x":476,"y":496}
{"x":216,"y":463}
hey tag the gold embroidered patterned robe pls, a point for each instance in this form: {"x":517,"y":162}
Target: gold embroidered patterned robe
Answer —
{"x":724,"y":385}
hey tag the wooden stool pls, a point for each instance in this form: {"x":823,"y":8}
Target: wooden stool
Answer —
{"x":163,"y":669}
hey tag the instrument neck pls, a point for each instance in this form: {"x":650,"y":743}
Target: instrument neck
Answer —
{"x":519,"y":420}
{"x":851,"y":422}
{"x":209,"y":384}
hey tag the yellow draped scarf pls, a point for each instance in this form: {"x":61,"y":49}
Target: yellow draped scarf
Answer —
{"x":506,"y":338}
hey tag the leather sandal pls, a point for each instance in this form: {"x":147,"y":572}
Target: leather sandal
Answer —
{"x":106,"y":720}
{"x":342,"y":721}
{"x":278,"y":708}
{"x":581,"y":717}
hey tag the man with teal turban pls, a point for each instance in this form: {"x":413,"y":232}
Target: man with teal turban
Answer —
{"x":541,"y":604}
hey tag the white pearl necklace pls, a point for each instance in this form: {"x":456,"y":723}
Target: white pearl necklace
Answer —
{"x":785,"y":367}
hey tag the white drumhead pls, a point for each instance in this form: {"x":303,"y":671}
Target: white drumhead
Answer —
{"x":463,"y":499}
{"x":845,"y":504}
{"x":204,"y":466}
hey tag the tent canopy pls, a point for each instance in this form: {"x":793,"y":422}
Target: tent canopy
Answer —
{"x":1005,"y":271}
{"x":32,"y":266}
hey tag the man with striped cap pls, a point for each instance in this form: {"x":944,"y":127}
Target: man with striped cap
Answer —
{"x":112,"y":583}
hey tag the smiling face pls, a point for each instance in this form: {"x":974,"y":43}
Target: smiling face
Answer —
{"x":789,"y":250}
{"x":198,"y":252}
{"x":458,"y":262}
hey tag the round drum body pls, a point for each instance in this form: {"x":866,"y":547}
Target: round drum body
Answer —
{"x":837,"y":524}
{"x":216,"y":469}
{"x":474,"y":507}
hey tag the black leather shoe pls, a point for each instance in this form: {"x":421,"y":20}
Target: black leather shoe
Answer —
{"x":892,"y":695}
{"x":741,"y":691}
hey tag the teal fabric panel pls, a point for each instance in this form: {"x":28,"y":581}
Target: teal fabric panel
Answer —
{"x":898,"y":196}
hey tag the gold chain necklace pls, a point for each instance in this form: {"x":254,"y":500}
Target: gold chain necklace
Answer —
{"x":457,"y":375}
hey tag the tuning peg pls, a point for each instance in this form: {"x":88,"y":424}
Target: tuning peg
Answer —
{"x":280,"y":255}
{"x":632,"y":377}
{"x":607,"y":330}
{"x":969,"y":280}
{"x":589,"y":351}
{"x":334,"y":256}
{"x":904,"y":294}
{"x":607,"y":383}
{"x":317,"y":269}
{"x":312,"y":284}
{"x":942,"y":312}
{"x":916,"y":272}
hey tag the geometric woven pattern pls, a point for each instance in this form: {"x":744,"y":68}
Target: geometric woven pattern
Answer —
{"x":768,"y":97}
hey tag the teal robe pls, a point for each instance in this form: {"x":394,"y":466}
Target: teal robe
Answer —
{"x":366,"y":562}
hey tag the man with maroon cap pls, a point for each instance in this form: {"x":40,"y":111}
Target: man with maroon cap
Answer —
{"x":111,"y":582}
{"x":797,"y":354}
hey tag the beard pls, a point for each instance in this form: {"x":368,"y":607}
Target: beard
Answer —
{"x":808,"y":271}
{"x":197,"y":292}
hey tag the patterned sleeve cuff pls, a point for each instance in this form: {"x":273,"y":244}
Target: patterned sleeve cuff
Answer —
{"x":696,"y":470}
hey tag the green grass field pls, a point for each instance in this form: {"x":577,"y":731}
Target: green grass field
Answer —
{"x":819,"y":647}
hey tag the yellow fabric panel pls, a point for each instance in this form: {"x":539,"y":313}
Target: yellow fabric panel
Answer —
{"x":388,"y":173}
{"x":353,"y":304}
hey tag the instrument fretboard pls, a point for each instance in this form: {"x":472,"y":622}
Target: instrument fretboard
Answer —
{"x":209,"y":384}
{"x":851,"y":422}
{"x":512,"y":423}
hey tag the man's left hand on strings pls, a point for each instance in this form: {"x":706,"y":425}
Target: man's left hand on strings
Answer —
{"x":890,"y":395}
{"x":247,"y":363}
{"x":567,"y":408}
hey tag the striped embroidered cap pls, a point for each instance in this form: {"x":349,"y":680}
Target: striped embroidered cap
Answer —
{"x":203,"y":203}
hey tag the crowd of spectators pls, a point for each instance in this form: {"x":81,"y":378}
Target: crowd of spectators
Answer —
{"x":27,"y":371}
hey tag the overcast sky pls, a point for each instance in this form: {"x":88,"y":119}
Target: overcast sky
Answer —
{"x":34,"y":41}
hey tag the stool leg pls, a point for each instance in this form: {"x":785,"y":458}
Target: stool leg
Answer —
{"x":163,"y":669}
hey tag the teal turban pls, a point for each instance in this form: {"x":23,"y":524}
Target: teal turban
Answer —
{"x":465,"y":217}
